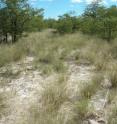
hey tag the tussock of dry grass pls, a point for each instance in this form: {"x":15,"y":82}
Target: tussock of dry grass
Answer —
{"x":113,"y":117}
{"x":53,"y":97}
{"x":112,"y":75}
{"x":52,"y":51}
{"x":92,"y":87}
{"x":3,"y":105}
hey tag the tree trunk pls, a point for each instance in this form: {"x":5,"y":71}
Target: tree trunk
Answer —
{"x":14,"y":37}
{"x":6,"y":38}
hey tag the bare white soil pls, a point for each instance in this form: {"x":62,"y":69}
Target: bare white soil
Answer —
{"x":27,"y":85}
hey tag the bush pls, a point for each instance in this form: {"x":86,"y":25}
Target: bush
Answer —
{"x":64,"y":26}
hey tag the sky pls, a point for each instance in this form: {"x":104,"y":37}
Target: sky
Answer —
{"x":54,"y":8}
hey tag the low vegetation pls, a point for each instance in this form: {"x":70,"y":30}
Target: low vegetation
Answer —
{"x":56,"y":44}
{"x":3,"y":105}
{"x":53,"y":97}
{"x":112,"y":75}
{"x":17,"y":17}
{"x":113,"y":117}
{"x":52,"y":55}
{"x":92,"y":88}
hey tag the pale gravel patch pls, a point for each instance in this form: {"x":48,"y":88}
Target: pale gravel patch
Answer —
{"x":26,"y":89}
{"x":79,"y":77}
{"x":23,"y":92}
{"x":99,"y":100}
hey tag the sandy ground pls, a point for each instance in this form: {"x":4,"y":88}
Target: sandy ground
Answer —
{"x":24,"y":89}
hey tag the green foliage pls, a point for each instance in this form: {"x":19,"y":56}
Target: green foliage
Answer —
{"x":67,"y":23}
{"x":16,"y":16}
{"x":64,"y":24}
{"x":36,"y":22}
{"x":101,"y":21}
{"x":96,"y":20}
{"x":50,"y":23}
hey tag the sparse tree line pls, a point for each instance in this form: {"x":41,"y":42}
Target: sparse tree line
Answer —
{"x":96,"y":20}
{"x":16,"y":17}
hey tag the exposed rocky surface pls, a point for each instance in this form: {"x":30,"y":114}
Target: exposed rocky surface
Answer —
{"x":79,"y":77}
{"x":23,"y":84}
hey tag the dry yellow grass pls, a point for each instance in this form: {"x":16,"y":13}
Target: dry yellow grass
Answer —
{"x":51,"y":54}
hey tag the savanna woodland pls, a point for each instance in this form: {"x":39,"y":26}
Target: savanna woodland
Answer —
{"x":58,"y":70}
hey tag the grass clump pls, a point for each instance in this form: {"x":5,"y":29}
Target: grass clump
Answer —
{"x":53,"y":97}
{"x":3,"y":104}
{"x":81,"y":108}
{"x":49,"y":61}
{"x":11,"y":53}
{"x":55,"y":94}
{"x":86,"y":94}
{"x":92,"y":87}
{"x":113,"y":117}
{"x":112,"y":95}
{"x":112,"y":75}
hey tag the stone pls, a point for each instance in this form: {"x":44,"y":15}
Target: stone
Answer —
{"x":29,"y":68}
{"x":3,"y":70}
{"x":101,"y":120}
{"x":93,"y":122}
{"x":106,"y":84}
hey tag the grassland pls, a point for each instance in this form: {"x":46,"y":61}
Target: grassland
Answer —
{"x":51,"y":54}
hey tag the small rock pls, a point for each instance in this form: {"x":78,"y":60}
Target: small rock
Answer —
{"x":15,"y":72}
{"x":3,"y":70}
{"x":101,"y":121}
{"x":93,"y":122}
{"x":85,"y":122}
{"x":106,"y":84}
{"x":92,"y":115}
{"x":29,"y":68}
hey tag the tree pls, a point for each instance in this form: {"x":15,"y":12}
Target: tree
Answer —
{"x":110,"y":23}
{"x":91,"y":9}
{"x":17,"y":14}
{"x":65,"y":24}
{"x":4,"y":24}
{"x":107,"y":22}
{"x":99,"y":20}
{"x":50,"y":23}
{"x":36,"y":21}
{"x":90,"y":17}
